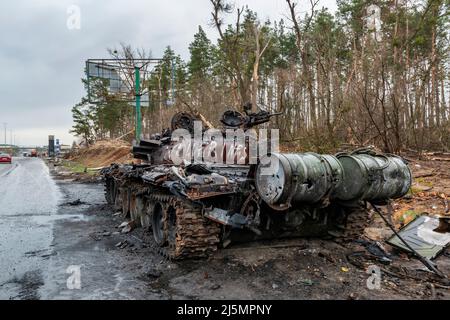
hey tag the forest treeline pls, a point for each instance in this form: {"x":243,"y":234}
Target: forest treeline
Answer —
{"x":373,"y":72}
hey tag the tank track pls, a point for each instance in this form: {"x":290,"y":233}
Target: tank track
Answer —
{"x":108,"y":190}
{"x":193,"y":237}
{"x":111,"y":193}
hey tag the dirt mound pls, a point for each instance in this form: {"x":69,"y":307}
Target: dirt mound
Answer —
{"x":103,"y":153}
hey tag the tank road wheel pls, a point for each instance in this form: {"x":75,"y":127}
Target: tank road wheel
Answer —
{"x":180,"y":230}
{"x":137,"y":208}
{"x":141,"y":209}
{"x":114,"y":191}
{"x":126,"y":194}
{"x":132,"y":205}
{"x":158,"y":225}
{"x":109,"y":190}
{"x":172,"y":228}
{"x":117,"y":197}
{"x":133,"y":209}
{"x":147,"y":214}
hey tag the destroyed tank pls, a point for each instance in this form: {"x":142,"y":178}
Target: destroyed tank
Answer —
{"x":198,"y":189}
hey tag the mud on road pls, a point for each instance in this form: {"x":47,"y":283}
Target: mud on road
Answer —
{"x":115,"y":265}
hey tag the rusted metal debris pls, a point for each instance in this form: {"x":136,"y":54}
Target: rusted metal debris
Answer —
{"x":429,"y":236}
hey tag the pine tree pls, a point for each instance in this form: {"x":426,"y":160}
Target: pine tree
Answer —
{"x":201,"y":59}
{"x":83,"y":119}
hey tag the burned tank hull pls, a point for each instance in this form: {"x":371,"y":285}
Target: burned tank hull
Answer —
{"x":194,"y":208}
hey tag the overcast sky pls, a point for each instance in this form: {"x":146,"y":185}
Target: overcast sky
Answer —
{"x":42,"y":60}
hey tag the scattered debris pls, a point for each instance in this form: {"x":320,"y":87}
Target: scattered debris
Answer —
{"x":327,"y":256}
{"x":126,"y":229}
{"x":75,"y":203}
{"x":426,"y":261}
{"x":444,"y":225}
{"x":123,"y":244}
{"x":307,"y":282}
{"x":127,"y":226}
{"x":123,"y":225}
{"x":422,"y":236}
{"x":377,"y":250}
{"x":47,"y":255}
{"x":215,"y":286}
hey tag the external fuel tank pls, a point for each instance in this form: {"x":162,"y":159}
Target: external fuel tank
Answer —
{"x":309,"y":178}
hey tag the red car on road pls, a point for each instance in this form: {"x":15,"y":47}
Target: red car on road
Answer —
{"x":5,"y":158}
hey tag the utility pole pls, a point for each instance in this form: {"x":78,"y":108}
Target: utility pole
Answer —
{"x":137,"y":75}
{"x":10,"y":137}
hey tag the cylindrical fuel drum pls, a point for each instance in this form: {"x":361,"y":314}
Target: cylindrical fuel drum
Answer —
{"x":336,"y":171}
{"x":285,"y":179}
{"x":373,"y":177}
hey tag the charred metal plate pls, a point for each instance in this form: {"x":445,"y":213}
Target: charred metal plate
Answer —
{"x":420,"y":235}
{"x":221,"y":216}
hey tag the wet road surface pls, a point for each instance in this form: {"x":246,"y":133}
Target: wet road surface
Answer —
{"x":44,"y":236}
{"x":28,"y":202}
